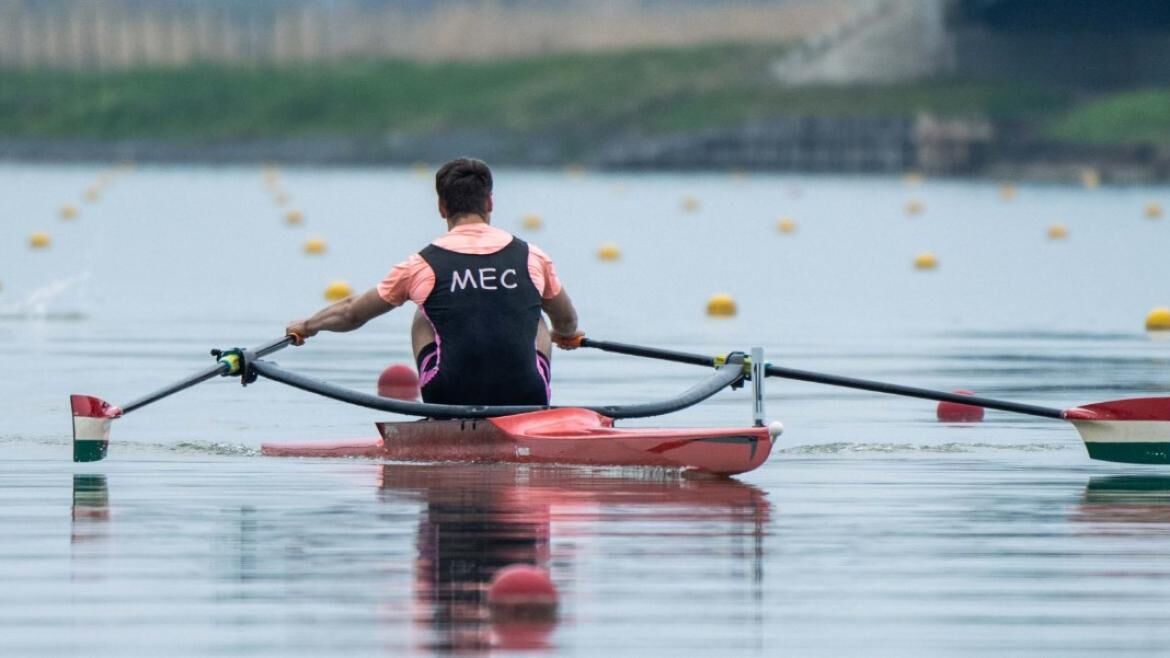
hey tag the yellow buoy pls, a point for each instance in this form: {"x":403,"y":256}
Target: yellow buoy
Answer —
{"x":420,"y":168}
{"x":574,"y":170}
{"x":1090,"y":179}
{"x":1153,"y":210}
{"x":1158,"y":319}
{"x":925,"y":261}
{"x":531,"y":222}
{"x":1057,"y":232}
{"x":314,"y":246}
{"x":1007,"y":191}
{"x":337,"y":290}
{"x":786,"y":225}
{"x":68,"y":212}
{"x":38,"y":240}
{"x":92,"y":194}
{"x":914,"y":207}
{"x":721,"y":306}
{"x":609,"y":252}
{"x":690,"y":204}
{"x":912,"y":178}
{"x":294,"y":218}
{"x":280,"y":198}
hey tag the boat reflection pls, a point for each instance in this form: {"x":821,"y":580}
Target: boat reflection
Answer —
{"x":479,"y":518}
{"x":1126,"y":499}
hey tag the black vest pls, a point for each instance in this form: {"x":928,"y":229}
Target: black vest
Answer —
{"x":484,"y":309}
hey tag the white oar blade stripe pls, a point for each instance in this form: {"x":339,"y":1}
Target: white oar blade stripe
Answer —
{"x":1124,"y":431}
{"x":1127,"y":441}
{"x":91,"y":429}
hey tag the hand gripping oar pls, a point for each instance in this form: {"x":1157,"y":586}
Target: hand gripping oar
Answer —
{"x":1133,"y":431}
{"x":92,"y":416}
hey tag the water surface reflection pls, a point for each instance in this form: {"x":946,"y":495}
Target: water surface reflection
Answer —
{"x":478,"y":519}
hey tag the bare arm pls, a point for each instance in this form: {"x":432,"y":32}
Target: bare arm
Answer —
{"x":345,"y":315}
{"x":563,"y":317}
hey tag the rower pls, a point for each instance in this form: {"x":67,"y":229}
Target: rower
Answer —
{"x":478,"y":334}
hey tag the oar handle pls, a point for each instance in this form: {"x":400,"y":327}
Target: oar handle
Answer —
{"x":832,"y":380}
{"x":221,"y":368}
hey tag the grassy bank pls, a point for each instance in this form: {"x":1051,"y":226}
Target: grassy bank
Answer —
{"x":1124,"y":118}
{"x":648,"y":91}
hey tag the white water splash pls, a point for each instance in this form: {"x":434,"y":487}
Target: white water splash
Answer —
{"x":38,"y":304}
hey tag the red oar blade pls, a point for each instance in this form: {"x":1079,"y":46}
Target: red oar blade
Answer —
{"x":91,"y":427}
{"x":1135,"y":431}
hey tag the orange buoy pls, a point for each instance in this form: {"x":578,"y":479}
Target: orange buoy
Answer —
{"x":1158,"y":319}
{"x":337,"y":291}
{"x":609,"y":252}
{"x":721,"y":305}
{"x":314,"y":246}
{"x":925,"y":261}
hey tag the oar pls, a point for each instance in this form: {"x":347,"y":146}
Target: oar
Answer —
{"x":92,"y":416}
{"x":1135,"y":430}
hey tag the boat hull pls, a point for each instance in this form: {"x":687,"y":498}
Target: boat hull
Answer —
{"x":554,"y":436}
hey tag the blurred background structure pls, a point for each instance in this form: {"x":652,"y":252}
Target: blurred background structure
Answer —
{"x":1039,"y":88}
{"x":105,"y":34}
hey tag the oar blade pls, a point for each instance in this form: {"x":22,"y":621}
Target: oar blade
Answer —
{"x":91,"y":427}
{"x":1134,"y":431}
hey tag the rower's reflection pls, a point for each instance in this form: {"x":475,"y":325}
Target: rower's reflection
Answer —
{"x":481,"y":518}
{"x":1126,"y":499}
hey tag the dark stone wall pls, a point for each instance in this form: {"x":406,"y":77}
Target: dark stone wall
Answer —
{"x":1066,"y":15}
{"x":1092,"y":43}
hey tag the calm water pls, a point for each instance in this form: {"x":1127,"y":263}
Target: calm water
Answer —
{"x":873,"y":530}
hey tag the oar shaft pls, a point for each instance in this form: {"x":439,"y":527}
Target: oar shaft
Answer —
{"x":219,"y":369}
{"x":202,"y":376}
{"x":914,"y":392}
{"x":832,"y":380}
{"x":649,"y":352}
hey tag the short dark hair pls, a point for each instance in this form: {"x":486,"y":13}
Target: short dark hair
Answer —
{"x":464,"y":185}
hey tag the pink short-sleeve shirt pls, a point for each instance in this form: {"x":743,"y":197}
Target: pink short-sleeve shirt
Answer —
{"x":413,"y":279}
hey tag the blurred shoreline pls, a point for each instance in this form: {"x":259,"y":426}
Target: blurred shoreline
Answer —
{"x":711,"y":107}
{"x":873,"y":148}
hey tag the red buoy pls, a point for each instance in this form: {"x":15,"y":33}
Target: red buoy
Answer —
{"x":954,"y":412}
{"x":523,"y":604}
{"x":399,"y":382}
{"x":522,"y":584}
